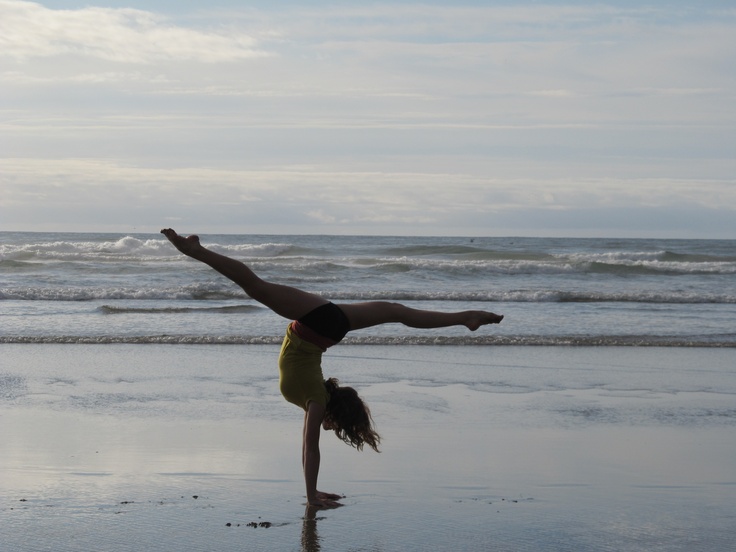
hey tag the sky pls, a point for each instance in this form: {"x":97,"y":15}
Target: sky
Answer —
{"x":472,"y":118}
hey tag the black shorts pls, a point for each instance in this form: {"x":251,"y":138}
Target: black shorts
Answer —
{"x":327,"y":320}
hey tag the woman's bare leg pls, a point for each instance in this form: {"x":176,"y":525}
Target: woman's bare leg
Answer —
{"x":373,"y":313}
{"x":287,"y":301}
{"x":293,"y":303}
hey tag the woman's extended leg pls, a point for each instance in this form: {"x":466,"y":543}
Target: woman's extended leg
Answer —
{"x":293,"y":303}
{"x":373,"y":313}
{"x":289,"y":302}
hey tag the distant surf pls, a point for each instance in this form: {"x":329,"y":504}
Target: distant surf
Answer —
{"x":105,"y":288}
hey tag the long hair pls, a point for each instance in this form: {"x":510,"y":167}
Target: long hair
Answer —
{"x":350,"y":417}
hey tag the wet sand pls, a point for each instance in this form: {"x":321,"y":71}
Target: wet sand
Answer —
{"x":191,"y":448}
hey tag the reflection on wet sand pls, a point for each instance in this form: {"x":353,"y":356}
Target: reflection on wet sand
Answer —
{"x":310,"y":536}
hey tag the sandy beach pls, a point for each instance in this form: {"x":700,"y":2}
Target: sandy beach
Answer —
{"x":156,"y":447}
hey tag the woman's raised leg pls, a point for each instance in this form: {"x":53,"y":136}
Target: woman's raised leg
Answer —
{"x":373,"y":313}
{"x":287,"y":301}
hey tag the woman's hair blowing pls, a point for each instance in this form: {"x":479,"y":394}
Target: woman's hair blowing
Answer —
{"x":350,"y":417}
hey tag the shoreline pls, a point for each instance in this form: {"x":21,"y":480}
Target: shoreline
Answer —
{"x":664,"y":342}
{"x":523,"y":448}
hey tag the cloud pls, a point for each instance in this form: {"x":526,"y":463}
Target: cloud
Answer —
{"x":123,"y":35}
{"x":330,"y":191}
{"x":363,"y":118}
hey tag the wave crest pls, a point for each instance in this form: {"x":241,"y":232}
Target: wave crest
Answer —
{"x":721,"y":341}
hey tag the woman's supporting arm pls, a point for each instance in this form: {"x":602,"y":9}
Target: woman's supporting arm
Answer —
{"x":311,"y":457}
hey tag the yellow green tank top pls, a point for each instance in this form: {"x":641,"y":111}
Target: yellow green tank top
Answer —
{"x":300,"y":372}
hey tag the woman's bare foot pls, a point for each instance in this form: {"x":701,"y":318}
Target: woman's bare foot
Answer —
{"x":476,"y":319}
{"x":187,"y":245}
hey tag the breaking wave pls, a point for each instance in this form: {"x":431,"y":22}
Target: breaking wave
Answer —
{"x":722,"y":341}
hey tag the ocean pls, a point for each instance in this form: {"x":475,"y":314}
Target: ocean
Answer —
{"x":140,"y":408}
{"x":136,"y":288}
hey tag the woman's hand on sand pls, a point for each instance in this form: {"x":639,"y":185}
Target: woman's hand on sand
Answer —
{"x":186,"y":245}
{"x":319,"y":504}
{"x":329,"y":496}
{"x":325,"y":501}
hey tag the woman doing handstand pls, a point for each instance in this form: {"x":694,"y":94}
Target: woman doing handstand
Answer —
{"x":319,"y":324}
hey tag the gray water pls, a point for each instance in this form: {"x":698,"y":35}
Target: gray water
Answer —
{"x":108,"y":288}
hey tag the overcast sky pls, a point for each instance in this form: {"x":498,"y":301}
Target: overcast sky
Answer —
{"x":464,"y":117}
